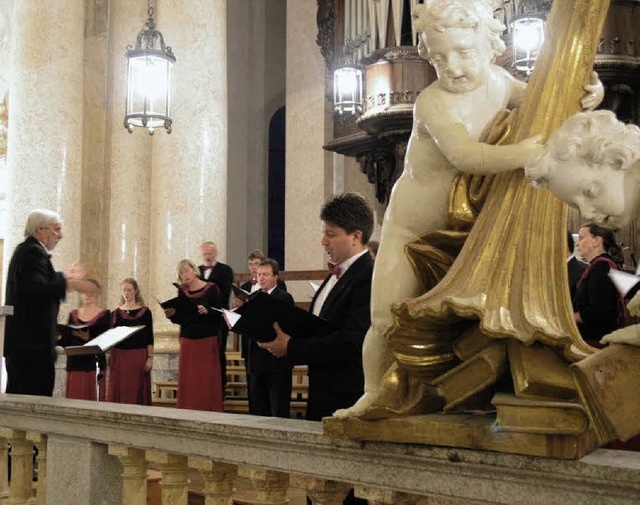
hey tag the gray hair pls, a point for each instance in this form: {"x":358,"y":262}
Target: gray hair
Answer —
{"x":441,"y":15}
{"x":40,"y":218}
{"x":594,"y":138}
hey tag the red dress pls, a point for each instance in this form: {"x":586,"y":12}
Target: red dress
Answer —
{"x":128,"y":380}
{"x":199,"y":373}
{"x":81,"y":370}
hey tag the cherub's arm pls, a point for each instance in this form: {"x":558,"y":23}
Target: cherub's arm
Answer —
{"x":468,"y":155}
{"x":593,"y":92}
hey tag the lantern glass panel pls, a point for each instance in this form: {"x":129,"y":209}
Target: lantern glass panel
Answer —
{"x":347,"y":86}
{"x":528,"y":37}
{"x":148,"y":89}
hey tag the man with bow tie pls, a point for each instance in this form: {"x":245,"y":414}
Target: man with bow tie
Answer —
{"x":212,"y":270}
{"x":220,"y":274}
{"x":334,"y":355}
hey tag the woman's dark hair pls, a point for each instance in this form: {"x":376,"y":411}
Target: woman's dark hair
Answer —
{"x":609,"y":243}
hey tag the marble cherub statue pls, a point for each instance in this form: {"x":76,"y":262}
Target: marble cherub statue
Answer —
{"x":461,"y":39}
{"x":593,"y":163}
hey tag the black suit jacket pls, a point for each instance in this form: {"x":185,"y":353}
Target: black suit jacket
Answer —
{"x":334,"y":356}
{"x":260,"y":360}
{"x":222,"y":275}
{"x":35,"y":290}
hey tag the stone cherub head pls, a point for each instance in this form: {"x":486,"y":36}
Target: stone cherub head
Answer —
{"x":593,"y":163}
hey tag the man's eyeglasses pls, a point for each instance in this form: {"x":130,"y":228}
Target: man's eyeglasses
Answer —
{"x":57,"y":233}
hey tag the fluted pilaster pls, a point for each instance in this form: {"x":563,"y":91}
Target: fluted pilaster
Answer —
{"x":130,"y":157}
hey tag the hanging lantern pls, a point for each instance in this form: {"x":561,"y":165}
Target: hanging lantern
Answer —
{"x":148,"y":100}
{"x":528,"y":37}
{"x":347,"y":89}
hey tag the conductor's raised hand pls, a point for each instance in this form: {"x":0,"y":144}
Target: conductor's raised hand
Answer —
{"x":278,"y":346}
{"x":76,"y":271}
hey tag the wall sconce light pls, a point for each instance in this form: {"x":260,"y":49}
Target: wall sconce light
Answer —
{"x":148,"y":100}
{"x":528,"y":36}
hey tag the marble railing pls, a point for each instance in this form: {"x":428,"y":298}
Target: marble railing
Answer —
{"x":98,"y":453}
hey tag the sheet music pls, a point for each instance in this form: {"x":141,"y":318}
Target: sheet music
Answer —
{"x":104,"y":341}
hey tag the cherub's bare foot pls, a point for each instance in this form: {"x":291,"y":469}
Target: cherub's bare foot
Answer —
{"x":364,"y":403}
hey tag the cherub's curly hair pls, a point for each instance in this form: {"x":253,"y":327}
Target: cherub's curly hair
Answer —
{"x":441,"y":15}
{"x":594,"y":138}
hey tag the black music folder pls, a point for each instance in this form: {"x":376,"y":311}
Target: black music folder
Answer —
{"x":104,"y":341}
{"x":262,"y":310}
{"x":241,"y":294}
{"x":183,"y":305}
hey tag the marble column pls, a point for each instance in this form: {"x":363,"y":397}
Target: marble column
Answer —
{"x":189,"y":168}
{"x":130,"y":163}
{"x":309,"y":127}
{"x":44,"y":156}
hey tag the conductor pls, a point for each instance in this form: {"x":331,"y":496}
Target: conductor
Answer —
{"x":35,"y":289}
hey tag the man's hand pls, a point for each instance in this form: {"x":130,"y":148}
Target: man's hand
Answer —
{"x":82,"y":286}
{"x":278,"y":346}
{"x":594,"y":93}
{"x":237,"y":303}
{"x":170,"y":312}
{"x":76,"y":271}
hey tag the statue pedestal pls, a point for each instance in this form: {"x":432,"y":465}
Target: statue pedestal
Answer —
{"x":469,"y":431}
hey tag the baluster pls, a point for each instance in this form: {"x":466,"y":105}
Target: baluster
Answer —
{"x":174,"y":476}
{"x":271,"y":487}
{"x":4,"y":467}
{"x":323,"y":492}
{"x":134,"y":473}
{"x":218,"y":480}
{"x":40,"y":441}
{"x":377,"y":496}
{"x":21,"y":485}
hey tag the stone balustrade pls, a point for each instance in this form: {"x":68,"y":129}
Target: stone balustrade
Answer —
{"x":95,"y":453}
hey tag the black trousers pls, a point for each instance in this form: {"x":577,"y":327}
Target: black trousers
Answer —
{"x":270,"y":393}
{"x":31,"y":375}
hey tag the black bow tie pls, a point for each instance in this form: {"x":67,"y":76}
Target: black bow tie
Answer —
{"x":207,"y":267}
